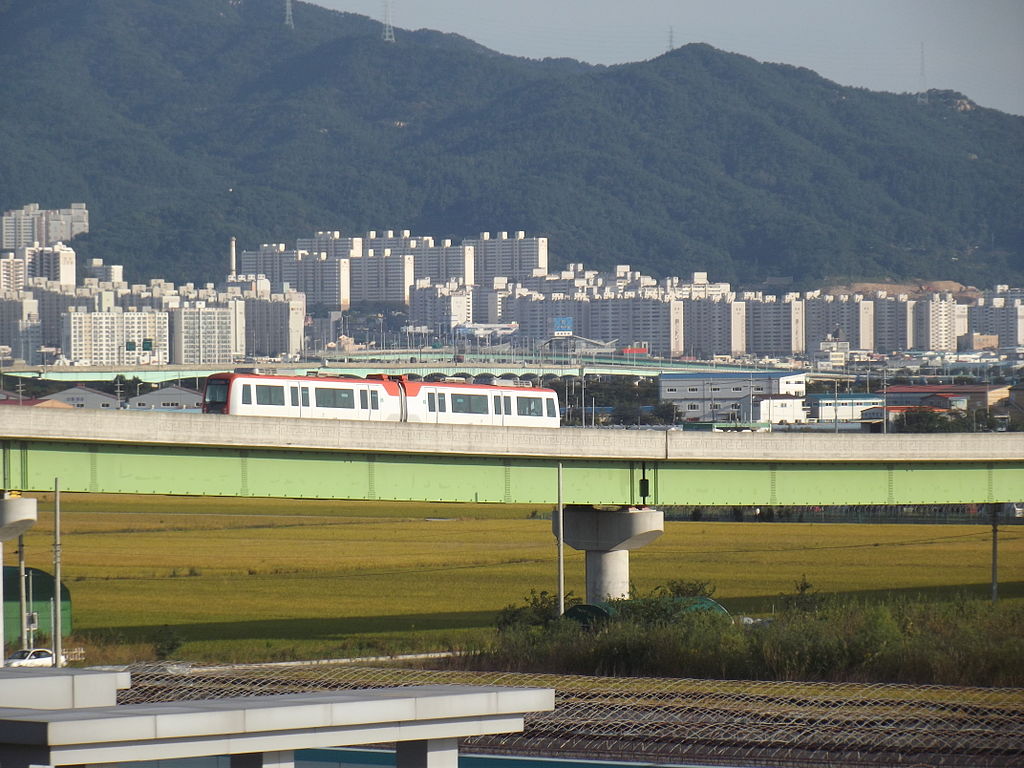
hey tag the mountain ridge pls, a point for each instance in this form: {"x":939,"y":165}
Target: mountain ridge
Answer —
{"x":183,"y":123}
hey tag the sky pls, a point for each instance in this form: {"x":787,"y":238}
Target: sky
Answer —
{"x":972,"y":46}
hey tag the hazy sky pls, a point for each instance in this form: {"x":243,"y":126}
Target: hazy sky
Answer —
{"x":972,"y":46}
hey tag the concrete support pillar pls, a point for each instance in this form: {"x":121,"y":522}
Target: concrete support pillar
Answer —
{"x":607,"y":536}
{"x":427,"y":753}
{"x":607,"y":574}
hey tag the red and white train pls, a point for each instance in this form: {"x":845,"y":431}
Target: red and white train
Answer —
{"x":380,"y":397}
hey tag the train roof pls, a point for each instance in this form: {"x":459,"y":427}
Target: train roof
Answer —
{"x":391,"y":382}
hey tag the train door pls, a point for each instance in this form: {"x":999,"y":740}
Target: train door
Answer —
{"x":501,"y":406}
{"x":369,"y":404}
{"x":298,"y":399}
{"x":437,"y":406}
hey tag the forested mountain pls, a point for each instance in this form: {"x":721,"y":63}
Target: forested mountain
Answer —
{"x":183,"y":122}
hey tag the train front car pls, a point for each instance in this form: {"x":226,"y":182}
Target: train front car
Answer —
{"x":216,"y":394}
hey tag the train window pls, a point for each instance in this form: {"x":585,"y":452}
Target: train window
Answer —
{"x":497,"y":404}
{"x":508,"y":405}
{"x":364,"y":400}
{"x":247,"y":394}
{"x":216,"y":391}
{"x":333,"y":398}
{"x":305,"y":397}
{"x":530,"y":406}
{"x":431,"y":402}
{"x":552,"y":410}
{"x":374,"y":402}
{"x":469,"y":403}
{"x":267,"y":394}
{"x":295,"y":395}
{"x":440,"y":402}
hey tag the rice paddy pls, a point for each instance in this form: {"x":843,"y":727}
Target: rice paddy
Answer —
{"x":256,"y":579}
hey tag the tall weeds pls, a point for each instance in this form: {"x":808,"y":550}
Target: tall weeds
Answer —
{"x":964,"y":642}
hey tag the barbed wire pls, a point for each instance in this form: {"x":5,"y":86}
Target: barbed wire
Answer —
{"x":662,"y":720}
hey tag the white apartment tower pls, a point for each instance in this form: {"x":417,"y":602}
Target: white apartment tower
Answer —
{"x":714,"y":326}
{"x":443,"y":263}
{"x":517,"y":257}
{"x":116,"y":337}
{"x":331,"y":243}
{"x":13,"y":273}
{"x":440,"y":306}
{"x":202,"y":335}
{"x":381,"y":277}
{"x":775,"y":327}
{"x":894,"y":322}
{"x":852,"y":317}
{"x":935,"y":323}
{"x":653,"y":323}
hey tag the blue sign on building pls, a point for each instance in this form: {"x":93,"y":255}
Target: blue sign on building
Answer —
{"x":562,"y":326}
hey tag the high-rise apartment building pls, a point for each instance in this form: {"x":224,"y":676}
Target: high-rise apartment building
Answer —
{"x":202,"y":335}
{"x":1000,"y":317}
{"x":440,"y":307}
{"x":714,"y":326}
{"x":274,"y":326}
{"x":775,"y":327}
{"x":116,"y":337}
{"x":381,"y":277}
{"x":894,"y":322}
{"x":13,"y":273}
{"x":29,"y":225}
{"x":935,"y":323}
{"x":634,"y":322}
{"x":517,"y":257}
{"x":848,"y":317}
{"x":19,"y":325}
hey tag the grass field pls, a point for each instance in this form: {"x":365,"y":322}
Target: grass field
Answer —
{"x":245,"y":580}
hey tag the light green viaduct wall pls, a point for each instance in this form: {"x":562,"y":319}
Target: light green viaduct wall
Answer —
{"x":192,"y":454}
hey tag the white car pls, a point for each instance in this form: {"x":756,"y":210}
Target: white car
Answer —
{"x":36,"y":657}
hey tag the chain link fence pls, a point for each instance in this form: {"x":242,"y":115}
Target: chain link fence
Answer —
{"x":654,"y":720}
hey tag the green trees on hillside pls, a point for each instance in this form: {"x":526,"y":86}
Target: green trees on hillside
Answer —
{"x":183,"y":124}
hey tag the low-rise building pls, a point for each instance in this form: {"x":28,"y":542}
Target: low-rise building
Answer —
{"x":82,"y":396}
{"x":732,"y":395}
{"x":172,"y":398}
{"x":846,"y":406}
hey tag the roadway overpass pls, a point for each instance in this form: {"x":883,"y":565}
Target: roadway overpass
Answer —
{"x":192,"y":454}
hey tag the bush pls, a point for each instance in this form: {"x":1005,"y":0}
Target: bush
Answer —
{"x":967,"y":642}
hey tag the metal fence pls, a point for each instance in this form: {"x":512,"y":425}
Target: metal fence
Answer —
{"x":656,"y":720}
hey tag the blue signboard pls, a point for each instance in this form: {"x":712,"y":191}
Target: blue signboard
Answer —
{"x":562,"y":326}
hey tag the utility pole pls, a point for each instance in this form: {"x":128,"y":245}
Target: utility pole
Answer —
{"x":58,"y":641}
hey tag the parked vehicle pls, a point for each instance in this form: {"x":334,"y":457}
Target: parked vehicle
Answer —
{"x":30,"y":657}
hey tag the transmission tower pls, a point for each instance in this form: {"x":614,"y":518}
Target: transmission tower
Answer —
{"x":671,"y":41}
{"x":922,"y":85}
{"x":388,"y":36}
{"x":288,"y":22}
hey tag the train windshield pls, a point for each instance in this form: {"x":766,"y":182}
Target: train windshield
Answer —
{"x":216,"y":394}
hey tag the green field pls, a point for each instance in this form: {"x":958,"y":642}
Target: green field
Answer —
{"x":245,"y":580}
